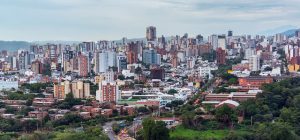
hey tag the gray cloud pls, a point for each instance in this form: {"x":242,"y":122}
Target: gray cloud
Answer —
{"x":113,"y":19}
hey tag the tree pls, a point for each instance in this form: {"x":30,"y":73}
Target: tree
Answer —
{"x":154,"y":130}
{"x":268,"y":69}
{"x":226,"y":115}
{"x":138,"y":70}
{"x":31,"y":125}
{"x":69,"y":102}
{"x":142,"y":109}
{"x":121,"y":77}
{"x":172,"y":91}
{"x":148,"y":124}
{"x":232,"y":81}
{"x":116,"y":128}
{"x":160,"y":131}
{"x":275,"y":131}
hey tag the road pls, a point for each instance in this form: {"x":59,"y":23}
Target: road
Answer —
{"x":108,"y":130}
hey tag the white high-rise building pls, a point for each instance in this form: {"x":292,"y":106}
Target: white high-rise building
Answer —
{"x":222,"y":42}
{"x":109,"y":76}
{"x":103,"y":62}
{"x":254,"y":63}
{"x":213,"y":40}
{"x":112,"y":59}
{"x":249,"y":52}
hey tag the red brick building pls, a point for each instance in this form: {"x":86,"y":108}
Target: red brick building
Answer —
{"x":108,"y":92}
{"x":255,"y":81}
{"x":132,"y":57}
{"x":221,"y":54}
{"x":83,"y":65}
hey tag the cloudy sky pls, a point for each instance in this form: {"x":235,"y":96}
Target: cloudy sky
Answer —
{"x":83,"y":20}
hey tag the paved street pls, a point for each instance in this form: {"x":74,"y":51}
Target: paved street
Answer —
{"x":108,"y":130}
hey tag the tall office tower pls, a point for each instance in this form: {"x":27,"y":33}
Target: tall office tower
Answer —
{"x":96,"y":62}
{"x":53,"y":52}
{"x":151,"y":33}
{"x":103,"y":62}
{"x":23,"y":60}
{"x":37,"y":67}
{"x":132,"y":57}
{"x":213,"y":40}
{"x":111,"y":58}
{"x":199,"y":39}
{"x":221,"y":56}
{"x":87,"y":46}
{"x":124,"y":40}
{"x":222,"y":42}
{"x":12,"y":60}
{"x":34,"y":48}
{"x":83,"y":65}
{"x":108,"y":92}
{"x":279,"y":38}
{"x":121,"y":62}
{"x":230,"y":33}
{"x":254,"y":63}
{"x":297,"y":33}
{"x":151,"y":57}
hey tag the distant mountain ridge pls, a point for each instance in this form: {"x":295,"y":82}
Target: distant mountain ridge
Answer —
{"x":14,"y":45}
{"x":290,"y":33}
{"x":287,"y":29}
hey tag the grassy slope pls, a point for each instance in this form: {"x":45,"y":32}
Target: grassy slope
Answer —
{"x":207,"y":134}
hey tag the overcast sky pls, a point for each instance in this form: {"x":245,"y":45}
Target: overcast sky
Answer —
{"x":85,"y":20}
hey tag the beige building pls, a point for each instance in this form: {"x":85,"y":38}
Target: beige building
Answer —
{"x":80,"y":89}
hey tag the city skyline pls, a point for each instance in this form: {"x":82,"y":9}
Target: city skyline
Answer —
{"x":81,"y":20}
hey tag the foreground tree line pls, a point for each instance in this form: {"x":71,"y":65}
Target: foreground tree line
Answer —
{"x":274,"y":115}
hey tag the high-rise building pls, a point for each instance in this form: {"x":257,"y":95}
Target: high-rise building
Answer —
{"x":37,"y":67}
{"x":151,"y":33}
{"x":121,"y":62}
{"x":151,"y":57}
{"x":80,"y":89}
{"x":24,"y":60}
{"x":61,"y":90}
{"x":157,"y":73}
{"x":104,"y":60}
{"x":254,"y":63}
{"x":109,"y":76}
{"x":213,"y":40}
{"x":53,"y":52}
{"x":199,"y":38}
{"x":279,"y":38}
{"x":222,"y":42}
{"x":12,"y":60}
{"x":174,"y":61}
{"x":249,"y":52}
{"x":108,"y":92}
{"x":83,"y":65}
{"x":230,"y":33}
{"x":221,"y":55}
{"x":132,"y":57}
{"x":297,"y":33}
{"x":112,"y":59}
